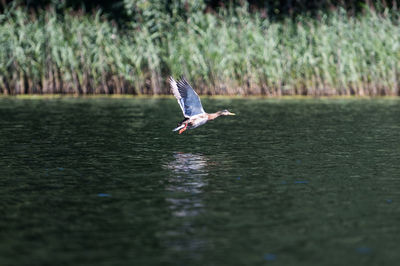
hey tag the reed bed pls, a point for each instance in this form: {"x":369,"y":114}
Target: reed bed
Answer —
{"x":233,"y":52}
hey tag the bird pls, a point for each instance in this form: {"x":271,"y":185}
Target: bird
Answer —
{"x":190,"y":104}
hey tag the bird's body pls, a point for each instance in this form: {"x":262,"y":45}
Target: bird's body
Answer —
{"x":191,"y":106}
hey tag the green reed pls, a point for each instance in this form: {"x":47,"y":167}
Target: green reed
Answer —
{"x":232,"y":52}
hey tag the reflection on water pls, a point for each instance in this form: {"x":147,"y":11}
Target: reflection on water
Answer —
{"x":186,"y":183}
{"x":186,"y":162}
{"x":185,"y":186}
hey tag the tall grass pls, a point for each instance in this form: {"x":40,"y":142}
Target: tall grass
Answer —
{"x":231,"y":52}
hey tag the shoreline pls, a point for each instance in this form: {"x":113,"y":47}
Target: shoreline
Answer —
{"x":165,"y":96}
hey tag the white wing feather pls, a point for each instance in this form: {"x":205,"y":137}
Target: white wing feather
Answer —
{"x":175,"y":91}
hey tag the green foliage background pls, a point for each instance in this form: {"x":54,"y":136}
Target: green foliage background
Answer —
{"x":235,"y":49}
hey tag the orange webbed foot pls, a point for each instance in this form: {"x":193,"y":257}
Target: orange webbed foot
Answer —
{"x":183,"y":129}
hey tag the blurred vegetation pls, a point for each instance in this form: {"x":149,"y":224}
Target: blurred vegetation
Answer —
{"x":254,"y":47}
{"x":122,"y":10}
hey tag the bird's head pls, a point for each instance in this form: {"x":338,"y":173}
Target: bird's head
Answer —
{"x":226,"y":112}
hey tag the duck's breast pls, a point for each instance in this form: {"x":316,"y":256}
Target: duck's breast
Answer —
{"x":198,"y":120}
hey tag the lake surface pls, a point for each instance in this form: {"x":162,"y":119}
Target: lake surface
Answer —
{"x":100,"y":181}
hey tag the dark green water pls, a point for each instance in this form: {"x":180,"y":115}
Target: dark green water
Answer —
{"x":285,"y":182}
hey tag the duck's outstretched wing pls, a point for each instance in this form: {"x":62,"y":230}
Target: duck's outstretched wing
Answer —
{"x":175,"y":91}
{"x":187,"y":98}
